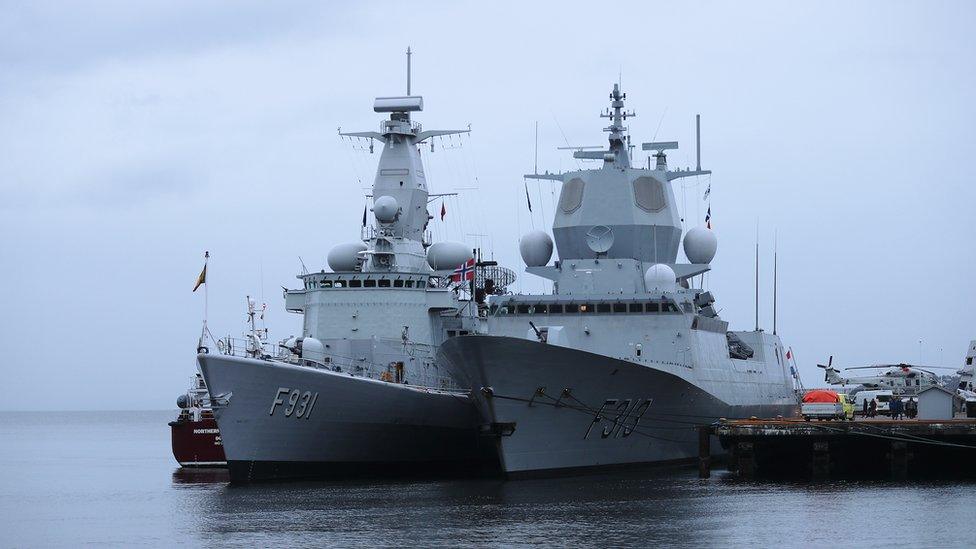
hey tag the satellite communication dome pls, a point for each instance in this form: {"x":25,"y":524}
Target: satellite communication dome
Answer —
{"x":183,"y":401}
{"x":385,"y":208}
{"x":448,"y":255}
{"x":345,"y":257}
{"x":659,"y":277}
{"x":700,"y":245}
{"x":536,"y":248}
{"x":312,"y":349}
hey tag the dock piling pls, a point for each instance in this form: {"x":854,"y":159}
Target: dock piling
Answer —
{"x":704,"y":451}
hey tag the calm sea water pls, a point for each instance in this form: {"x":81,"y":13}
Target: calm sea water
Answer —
{"x":70,"y":479}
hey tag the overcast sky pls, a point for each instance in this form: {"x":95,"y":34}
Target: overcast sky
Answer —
{"x":136,"y":135}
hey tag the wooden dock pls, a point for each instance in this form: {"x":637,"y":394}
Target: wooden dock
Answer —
{"x":875,"y":449}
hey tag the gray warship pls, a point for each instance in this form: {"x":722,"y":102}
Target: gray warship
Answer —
{"x":617,"y":364}
{"x":360,"y":392}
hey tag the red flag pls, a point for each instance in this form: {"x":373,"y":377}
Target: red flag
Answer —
{"x":789,"y":354}
{"x":443,"y":211}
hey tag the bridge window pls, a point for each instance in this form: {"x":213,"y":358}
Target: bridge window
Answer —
{"x":421,"y":283}
{"x":540,"y":308}
{"x":326,"y":283}
{"x":398,"y":283}
{"x":635,"y":307}
{"x":384,"y":283}
{"x":669,"y":307}
{"x":369,"y":283}
{"x":523,"y":309}
{"x":338,"y":284}
{"x":603,"y":307}
{"x":620,"y":307}
{"x":653,"y":307}
{"x":555,"y":309}
{"x":409,"y":283}
{"x":572,"y":308}
{"x":355,"y":283}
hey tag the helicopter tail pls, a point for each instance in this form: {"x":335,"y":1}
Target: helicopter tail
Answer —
{"x":831,"y":374}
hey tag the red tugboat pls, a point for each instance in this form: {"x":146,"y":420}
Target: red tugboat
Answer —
{"x":196,"y":439}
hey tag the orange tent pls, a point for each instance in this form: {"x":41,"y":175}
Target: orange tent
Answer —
{"x":821,"y":395}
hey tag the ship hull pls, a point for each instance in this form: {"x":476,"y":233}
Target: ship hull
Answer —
{"x":197,"y":443}
{"x":559,"y":410}
{"x":348,"y":426}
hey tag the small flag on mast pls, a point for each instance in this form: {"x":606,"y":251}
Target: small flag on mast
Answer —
{"x":708,"y":191}
{"x":364,"y":215}
{"x":443,"y":210}
{"x":527,"y":199}
{"x":708,"y":217}
{"x":202,"y":279}
{"x":789,"y":354}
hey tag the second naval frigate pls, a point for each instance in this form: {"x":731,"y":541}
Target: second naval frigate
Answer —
{"x":360,"y":391}
{"x":627,"y":354}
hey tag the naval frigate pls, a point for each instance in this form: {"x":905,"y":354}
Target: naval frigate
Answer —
{"x":360,"y":392}
{"x":627,"y":354}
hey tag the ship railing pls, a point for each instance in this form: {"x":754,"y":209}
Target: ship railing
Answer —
{"x":354,"y":366}
{"x":359,"y":367}
{"x":244,"y":348}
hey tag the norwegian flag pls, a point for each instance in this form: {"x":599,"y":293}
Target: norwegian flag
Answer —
{"x":464,"y":272}
{"x":708,"y":218}
{"x":789,"y":354}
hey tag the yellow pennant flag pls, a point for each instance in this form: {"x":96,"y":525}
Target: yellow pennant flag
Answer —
{"x":202,"y":279}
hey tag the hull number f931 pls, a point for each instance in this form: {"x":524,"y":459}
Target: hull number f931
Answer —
{"x":294,"y":402}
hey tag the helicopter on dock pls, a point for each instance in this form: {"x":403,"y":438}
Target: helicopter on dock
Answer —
{"x":899,"y":378}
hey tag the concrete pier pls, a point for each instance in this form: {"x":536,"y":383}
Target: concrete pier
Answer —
{"x":793,"y":448}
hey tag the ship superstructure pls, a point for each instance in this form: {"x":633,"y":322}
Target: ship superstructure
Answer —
{"x":359,"y":390}
{"x":627,"y":353}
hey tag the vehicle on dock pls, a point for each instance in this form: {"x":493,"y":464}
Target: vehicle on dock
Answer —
{"x":826,"y":405}
{"x":883,"y":398}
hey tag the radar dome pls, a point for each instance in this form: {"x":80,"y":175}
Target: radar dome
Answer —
{"x":312,"y":349}
{"x":183,"y":401}
{"x":536,"y":248}
{"x":385,"y":209}
{"x":700,"y":245}
{"x":659,"y":277}
{"x":345,"y":257}
{"x":448,"y":255}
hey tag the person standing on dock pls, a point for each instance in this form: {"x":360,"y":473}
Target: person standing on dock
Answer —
{"x":897,"y":407}
{"x":911,"y":408}
{"x":864,"y":411}
{"x":873,"y":408}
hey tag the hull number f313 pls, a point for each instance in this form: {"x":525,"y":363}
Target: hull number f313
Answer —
{"x":618,"y":417}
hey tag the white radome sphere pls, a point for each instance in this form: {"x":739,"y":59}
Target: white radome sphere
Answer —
{"x":700,"y":245}
{"x":312,"y":349}
{"x":345,"y":257}
{"x":660,"y":277}
{"x":448,"y":255}
{"x":536,"y":248}
{"x":385,"y":209}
